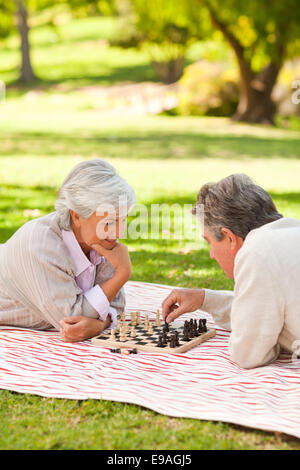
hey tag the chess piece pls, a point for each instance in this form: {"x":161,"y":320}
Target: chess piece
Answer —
{"x":123,"y":317}
{"x":157,"y":323}
{"x":166,"y":329}
{"x":186,"y":336}
{"x":118,"y":324}
{"x":123,"y":334}
{"x":125,"y":351}
{"x":133,"y":318}
{"x":133,"y":332}
{"x":112,"y":335}
{"x":202,"y":325}
{"x":138,"y":318}
{"x":164,"y":338}
{"x":160,"y":343}
{"x":133,"y":351}
{"x":150,"y":329}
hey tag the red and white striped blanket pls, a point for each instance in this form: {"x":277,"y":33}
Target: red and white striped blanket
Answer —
{"x":203,"y":383}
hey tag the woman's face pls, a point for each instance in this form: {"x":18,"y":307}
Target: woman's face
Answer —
{"x":102,"y":229}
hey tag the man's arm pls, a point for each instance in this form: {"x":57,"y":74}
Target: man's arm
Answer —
{"x":218,"y":303}
{"x":257,"y":313}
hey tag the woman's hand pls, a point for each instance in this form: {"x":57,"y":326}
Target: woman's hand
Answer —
{"x":118,"y":257}
{"x":181,"y":301}
{"x":79,"y":328}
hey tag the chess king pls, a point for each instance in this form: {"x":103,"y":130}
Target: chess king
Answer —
{"x":67,"y":269}
{"x":258,"y":248}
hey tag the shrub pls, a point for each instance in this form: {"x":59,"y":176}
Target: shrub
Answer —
{"x":208,"y":88}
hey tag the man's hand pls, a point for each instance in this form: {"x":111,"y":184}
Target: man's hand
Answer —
{"x":80,"y":328}
{"x":181,"y":301}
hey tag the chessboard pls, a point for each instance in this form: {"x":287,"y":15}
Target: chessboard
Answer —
{"x":150,"y":336}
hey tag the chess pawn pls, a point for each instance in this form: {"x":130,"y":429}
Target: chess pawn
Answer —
{"x":150,"y":329}
{"x":133,"y":332}
{"x":112,"y":335}
{"x":122,"y":335}
{"x":133,"y":319}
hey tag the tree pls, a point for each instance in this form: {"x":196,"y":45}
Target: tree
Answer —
{"x":166,"y":29}
{"x":14,"y":15}
{"x":262,"y":34}
{"x":27,"y":73}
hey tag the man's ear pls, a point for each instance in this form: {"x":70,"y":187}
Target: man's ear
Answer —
{"x":234,"y":240}
{"x":230,"y":237}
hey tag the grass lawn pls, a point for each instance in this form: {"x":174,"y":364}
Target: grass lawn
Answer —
{"x":166,"y":159}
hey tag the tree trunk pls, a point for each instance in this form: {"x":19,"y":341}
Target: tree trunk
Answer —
{"x":255,"y":103}
{"x":27,"y":73}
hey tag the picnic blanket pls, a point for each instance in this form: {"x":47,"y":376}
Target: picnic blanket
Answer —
{"x":203,"y":383}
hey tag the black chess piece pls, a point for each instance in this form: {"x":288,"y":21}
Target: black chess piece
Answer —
{"x":160,"y":343}
{"x":195,"y":330}
{"x":186,"y":336}
{"x":172,"y":342}
{"x":165,"y":339}
{"x":133,"y":351}
{"x":176,"y":338}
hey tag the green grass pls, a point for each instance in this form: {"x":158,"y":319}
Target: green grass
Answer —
{"x":45,"y":131}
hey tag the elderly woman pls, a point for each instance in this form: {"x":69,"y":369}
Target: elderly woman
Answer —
{"x":260,"y":250}
{"x":66,"y":270}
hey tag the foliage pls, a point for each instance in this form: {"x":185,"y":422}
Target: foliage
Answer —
{"x":208,"y":88}
{"x":165,"y":30}
{"x":265,"y":30}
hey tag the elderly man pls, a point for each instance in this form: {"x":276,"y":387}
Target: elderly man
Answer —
{"x":260,"y":250}
{"x":66,"y":269}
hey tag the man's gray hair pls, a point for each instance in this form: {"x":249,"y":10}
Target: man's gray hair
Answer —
{"x":92,"y":186}
{"x":235,"y":203}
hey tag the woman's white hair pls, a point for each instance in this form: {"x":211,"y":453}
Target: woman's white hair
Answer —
{"x":92,"y":186}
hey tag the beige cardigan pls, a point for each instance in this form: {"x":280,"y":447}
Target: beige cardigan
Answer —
{"x":263,"y":311}
{"x":37,"y":278}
